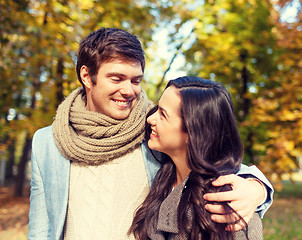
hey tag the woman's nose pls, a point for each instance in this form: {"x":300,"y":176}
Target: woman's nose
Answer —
{"x":151,"y":119}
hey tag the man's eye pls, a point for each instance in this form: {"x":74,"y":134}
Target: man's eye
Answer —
{"x":137,"y":81}
{"x":116,"y":79}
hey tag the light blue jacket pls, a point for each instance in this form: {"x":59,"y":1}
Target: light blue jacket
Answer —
{"x":50,"y":184}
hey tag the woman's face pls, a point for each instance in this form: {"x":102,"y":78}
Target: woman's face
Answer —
{"x":167,"y":134}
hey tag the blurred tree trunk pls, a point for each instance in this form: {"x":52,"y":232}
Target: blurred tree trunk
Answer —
{"x":245,"y":106}
{"x":59,"y":81}
{"x":27,"y":146}
{"x":11,"y":159}
{"x":22,"y":165}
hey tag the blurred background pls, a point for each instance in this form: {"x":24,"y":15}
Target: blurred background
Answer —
{"x":254,"y":47}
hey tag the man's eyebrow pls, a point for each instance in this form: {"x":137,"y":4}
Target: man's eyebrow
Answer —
{"x":117,"y":74}
{"x":139,"y":76}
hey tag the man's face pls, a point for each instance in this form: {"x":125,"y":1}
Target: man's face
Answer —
{"x":116,"y":90}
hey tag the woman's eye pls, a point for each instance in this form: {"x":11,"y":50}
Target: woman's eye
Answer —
{"x":162,"y":114}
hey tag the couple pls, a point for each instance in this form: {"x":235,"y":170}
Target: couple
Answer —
{"x":91,"y":169}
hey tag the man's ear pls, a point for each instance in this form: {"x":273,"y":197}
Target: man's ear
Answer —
{"x":85,"y":77}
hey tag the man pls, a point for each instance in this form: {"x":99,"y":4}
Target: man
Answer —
{"x":91,"y":169}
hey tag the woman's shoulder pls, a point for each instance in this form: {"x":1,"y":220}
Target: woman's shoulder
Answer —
{"x":254,"y":229}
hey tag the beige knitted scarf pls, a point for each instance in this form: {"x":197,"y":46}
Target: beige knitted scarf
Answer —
{"x":94,"y":138}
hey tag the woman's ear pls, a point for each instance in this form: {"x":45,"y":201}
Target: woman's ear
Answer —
{"x":187,"y":138}
{"x":85,"y":77}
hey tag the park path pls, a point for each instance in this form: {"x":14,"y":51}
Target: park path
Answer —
{"x":13,"y":214}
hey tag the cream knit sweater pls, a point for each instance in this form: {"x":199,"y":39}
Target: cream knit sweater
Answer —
{"x":103,"y":199}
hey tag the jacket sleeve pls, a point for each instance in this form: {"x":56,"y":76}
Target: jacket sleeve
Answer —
{"x":254,"y":172}
{"x":38,"y":218}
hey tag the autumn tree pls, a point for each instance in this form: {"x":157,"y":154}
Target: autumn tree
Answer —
{"x":12,"y":66}
{"x":233,"y":45}
{"x":278,"y":109}
{"x":246,"y":46}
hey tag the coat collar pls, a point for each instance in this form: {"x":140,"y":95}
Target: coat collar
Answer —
{"x":167,"y":218}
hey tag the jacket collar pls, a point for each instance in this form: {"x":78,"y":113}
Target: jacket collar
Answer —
{"x":152,"y":161}
{"x":167,"y":217}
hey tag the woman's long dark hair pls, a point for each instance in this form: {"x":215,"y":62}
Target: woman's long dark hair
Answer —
{"x":214,"y":149}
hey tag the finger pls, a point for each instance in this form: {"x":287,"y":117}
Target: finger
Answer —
{"x":239,"y":224}
{"x":215,"y":208}
{"x":219,"y":209}
{"x":236,"y":227}
{"x":221,"y":196}
{"x":239,"y":207}
{"x":227,"y":218}
{"x":243,"y":213}
{"x":226,"y":179}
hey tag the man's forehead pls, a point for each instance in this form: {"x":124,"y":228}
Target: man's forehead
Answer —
{"x":121,"y":60}
{"x":122,"y":67}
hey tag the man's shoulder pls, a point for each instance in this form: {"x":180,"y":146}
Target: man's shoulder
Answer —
{"x":44,"y":131}
{"x":43,"y":134}
{"x":44,"y":146}
{"x":44,"y":137}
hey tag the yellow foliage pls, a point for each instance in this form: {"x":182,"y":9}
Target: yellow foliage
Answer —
{"x":287,"y":115}
{"x":86,"y":4}
{"x":259,"y":147}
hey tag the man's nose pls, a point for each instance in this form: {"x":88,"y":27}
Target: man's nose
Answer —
{"x":127,"y":89}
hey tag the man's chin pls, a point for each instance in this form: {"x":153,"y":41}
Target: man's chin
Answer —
{"x":121,"y":115}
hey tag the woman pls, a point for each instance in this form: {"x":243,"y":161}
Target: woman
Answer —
{"x":194,"y":126}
